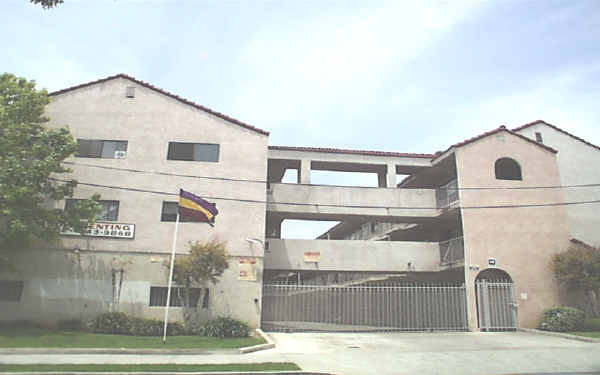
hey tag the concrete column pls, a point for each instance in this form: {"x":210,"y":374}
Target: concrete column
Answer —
{"x":273,"y":228}
{"x":381,"y":179}
{"x":304,"y":172}
{"x":391,"y":176}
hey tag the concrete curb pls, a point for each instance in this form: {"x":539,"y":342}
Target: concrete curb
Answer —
{"x":269,"y":345}
{"x":114,"y":351}
{"x":560,"y":334}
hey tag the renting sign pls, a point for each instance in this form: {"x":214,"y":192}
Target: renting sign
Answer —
{"x":107,"y":230}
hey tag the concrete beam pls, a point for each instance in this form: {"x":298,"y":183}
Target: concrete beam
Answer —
{"x":316,"y":202}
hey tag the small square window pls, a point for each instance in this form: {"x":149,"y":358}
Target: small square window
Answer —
{"x":193,"y":151}
{"x":538,"y":137}
{"x":110,"y":209}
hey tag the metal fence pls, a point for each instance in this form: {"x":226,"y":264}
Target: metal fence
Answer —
{"x":452,"y":251}
{"x":496,"y":306}
{"x":439,"y":306}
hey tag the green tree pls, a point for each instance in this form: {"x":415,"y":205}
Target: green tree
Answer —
{"x":206,"y":263}
{"x":30,"y":156}
{"x":47,"y":3}
{"x":578,"y":269}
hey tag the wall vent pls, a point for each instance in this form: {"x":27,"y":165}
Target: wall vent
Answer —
{"x":130,"y":92}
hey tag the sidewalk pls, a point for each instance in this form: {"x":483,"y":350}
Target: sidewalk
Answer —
{"x":469,"y":353}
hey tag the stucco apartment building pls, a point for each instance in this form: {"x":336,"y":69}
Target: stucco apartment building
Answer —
{"x":486,"y":215}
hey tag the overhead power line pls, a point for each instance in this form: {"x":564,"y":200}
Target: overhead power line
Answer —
{"x":132,"y":170}
{"x":325,"y":205}
{"x":165,"y":173}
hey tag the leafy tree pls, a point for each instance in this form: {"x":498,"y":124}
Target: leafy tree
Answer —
{"x":578,"y":269}
{"x":206,"y":263}
{"x":47,"y":3}
{"x":30,"y":155}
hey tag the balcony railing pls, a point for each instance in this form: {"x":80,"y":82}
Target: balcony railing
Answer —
{"x":447,"y":194}
{"x":452,"y":251}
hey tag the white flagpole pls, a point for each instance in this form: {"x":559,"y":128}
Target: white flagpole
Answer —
{"x":170,"y":280}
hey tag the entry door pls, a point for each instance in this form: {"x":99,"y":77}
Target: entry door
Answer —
{"x":496,"y":306}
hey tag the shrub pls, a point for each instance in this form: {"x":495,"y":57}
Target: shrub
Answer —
{"x":152,"y":327}
{"x":562,"y":319}
{"x":70,"y":325}
{"x":194,"y":327}
{"x":591,"y":325}
{"x":112,"y":322}
{"x":225,"y":327}
{"x":120,"y":323}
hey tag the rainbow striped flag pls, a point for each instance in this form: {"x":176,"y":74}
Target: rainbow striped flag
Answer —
{"x":191,"y":205}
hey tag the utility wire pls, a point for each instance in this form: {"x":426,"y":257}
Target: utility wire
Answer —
{"x":164,"y":173}
{"x":264,"y":182}
{"x":325,"y":205}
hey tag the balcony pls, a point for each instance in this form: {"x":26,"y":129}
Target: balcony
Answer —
{"x":447,"y":195}
{"x":452,"y":251}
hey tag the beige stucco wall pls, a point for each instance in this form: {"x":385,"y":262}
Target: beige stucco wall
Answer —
{"x":149,"y":122}
{"x":522,"y":240}
{"x":341,"y":255}
{"x":63,"y":284}
{"x":578,"y":165}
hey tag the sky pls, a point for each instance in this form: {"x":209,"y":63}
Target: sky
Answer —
{"x":406,"y":76}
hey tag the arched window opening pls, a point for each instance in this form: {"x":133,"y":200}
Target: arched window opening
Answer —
{"x":508,"y":169}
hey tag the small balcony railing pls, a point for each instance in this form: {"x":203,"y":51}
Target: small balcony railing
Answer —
{"x":452,"y":251}
{"x":447,"y":195}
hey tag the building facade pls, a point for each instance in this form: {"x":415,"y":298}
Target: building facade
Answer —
{"x":489,"y":210}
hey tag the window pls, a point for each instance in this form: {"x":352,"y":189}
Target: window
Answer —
{"x":507,"y":169}
{"x":169,"y":213}
{"x":206,"y":299}
{"x":89,"y":148}
{"x":538,"y":137}
{"x":158,"y":296}
{"x":110,"y":209}
{"x":193,"y":151}
{"x":11,"y":291}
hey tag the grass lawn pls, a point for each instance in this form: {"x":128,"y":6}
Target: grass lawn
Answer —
{"x":595,"y":335}
{"x":269,"y":366}
{"x":20,"y":337}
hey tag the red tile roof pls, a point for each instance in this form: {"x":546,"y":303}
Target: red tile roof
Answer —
{"x":171,"y":95}
{"x":492,"y":132}
{"x":555,"y":128}
{"x":581,"y":243}
{"x":355,"y":152}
